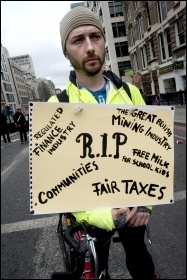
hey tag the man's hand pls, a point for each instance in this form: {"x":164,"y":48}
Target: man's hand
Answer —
{"x":122,"y":215}
{"x":139,"y":219}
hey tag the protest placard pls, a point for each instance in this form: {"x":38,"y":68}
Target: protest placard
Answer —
{"x":93,"y":156}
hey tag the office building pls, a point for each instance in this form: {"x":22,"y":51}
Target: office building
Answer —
{"x":25,"y":61}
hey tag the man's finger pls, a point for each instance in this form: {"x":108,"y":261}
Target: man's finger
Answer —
{"x":131,"y":213}
{"x":123,"y":210}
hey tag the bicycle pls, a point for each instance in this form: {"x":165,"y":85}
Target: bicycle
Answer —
{"x":78,"y":251}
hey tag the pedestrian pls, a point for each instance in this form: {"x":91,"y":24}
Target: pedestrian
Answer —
{"x":20,"y":124}
{"x":7,"y":111}
{"x":83,"y":44}
{"x":26,"y":115}
{"x":4,"y":129}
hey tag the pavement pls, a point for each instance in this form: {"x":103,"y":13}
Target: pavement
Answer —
{"x":180,"y":114}
{"x":179,"y":117}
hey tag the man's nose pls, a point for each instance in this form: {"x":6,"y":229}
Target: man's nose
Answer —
{"x":89,"y":45}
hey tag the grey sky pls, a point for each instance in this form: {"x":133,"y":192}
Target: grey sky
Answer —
{"x":32,"y":27}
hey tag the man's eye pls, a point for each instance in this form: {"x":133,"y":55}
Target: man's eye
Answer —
{"x":78,"y":40}
{"x":96,"y":37}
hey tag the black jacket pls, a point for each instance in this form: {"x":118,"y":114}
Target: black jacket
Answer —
{"x":4,"y":125}
{"x":19,"y":118}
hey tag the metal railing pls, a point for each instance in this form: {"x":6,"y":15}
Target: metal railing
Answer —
{"x":169,"y":98}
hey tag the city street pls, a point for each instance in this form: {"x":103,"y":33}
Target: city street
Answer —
{"x":29,"y":244}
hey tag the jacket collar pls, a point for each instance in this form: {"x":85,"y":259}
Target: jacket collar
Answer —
{"x":108,"y":74}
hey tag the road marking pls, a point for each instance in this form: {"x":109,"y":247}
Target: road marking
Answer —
{"x":53,"y":221}
{"x":10,"y":166}
{"x":180,"y":137}
{"x":15,"y":140}
{"x":180,"y":127}
{"x":29,"y":224}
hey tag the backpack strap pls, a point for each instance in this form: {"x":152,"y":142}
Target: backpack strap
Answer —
{"x":63,"y":97}
{"x":126,"y":88}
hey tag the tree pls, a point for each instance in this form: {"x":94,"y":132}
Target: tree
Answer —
{"x":44,"y":91}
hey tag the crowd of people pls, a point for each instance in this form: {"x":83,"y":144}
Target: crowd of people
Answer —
{"x":19,"y":119}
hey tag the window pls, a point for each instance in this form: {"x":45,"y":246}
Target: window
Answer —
{"x":140,"y":27}
{"x":143,"y":57}
{"x":7,"y":87}
{"x":137,"y":4}
{"x":147,"y":51}
{"x":115,"y":8}
{"x":128,"y":10}
{"x":121,"y":49}
{"x":118,"y":29}
{"x":184,"y":82}
{"x":148,"y":14}
{"x":94,"y":7}
{"x":2,"y":57}
{"x":152,"y":49}
{"x":181,"y":33}
{"x":10,"y":97}
{"x":100,"y":15}
{"x":162,"y":5}
{"x":162,"y":47}
{"x":3,"y":76}
{"x":131,"y":34}
{"x":135,"y":62}
{"x":3,"y":67}
{"x":170,"y":85}
{"x":168,"y":42}
{"x":123,"y":66}
{"x":107,"y":54}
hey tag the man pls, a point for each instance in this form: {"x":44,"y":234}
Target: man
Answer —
{"x":7,"y":112}
{"x":83,"y":44}
{"x":4,"y":129}
{"x":20,"y":123}
{"x":26,"y":115}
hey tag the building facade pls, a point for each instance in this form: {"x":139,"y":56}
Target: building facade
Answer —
{"x":78,"y":4}
{"x":8,"y":91}
{"x":19,"y":85}
{"x":45,"y":89}
{"x":25,"y":61}
{"x":22,"y":92}
{"x":145,"y":42}
{"x":156,"y":32}
{"x":111,"y":16}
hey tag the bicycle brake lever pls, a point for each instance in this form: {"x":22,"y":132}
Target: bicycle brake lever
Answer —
{"x":82,"y":247}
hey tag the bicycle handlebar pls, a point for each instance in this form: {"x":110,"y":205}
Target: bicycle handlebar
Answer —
{"x":80,"y":248}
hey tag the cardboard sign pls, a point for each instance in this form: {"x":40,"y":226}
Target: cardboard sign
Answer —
{"x":88,"y":156}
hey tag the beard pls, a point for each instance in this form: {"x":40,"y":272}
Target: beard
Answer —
{"x":89,"y":70}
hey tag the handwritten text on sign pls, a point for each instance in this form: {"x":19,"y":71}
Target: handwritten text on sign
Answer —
{"x":100,"y":156}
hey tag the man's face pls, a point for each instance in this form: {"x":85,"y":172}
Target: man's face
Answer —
{"x":85,"y":49}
